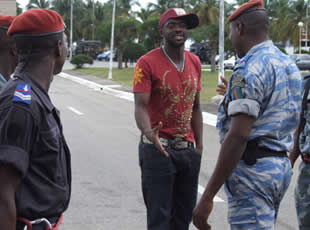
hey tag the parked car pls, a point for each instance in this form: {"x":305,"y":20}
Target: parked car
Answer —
{"x":302,"y":61}
{"x":230,"y":63}
{"x":104,"y":56}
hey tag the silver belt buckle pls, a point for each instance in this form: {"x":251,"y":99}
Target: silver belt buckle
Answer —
{"x":162,"y":140}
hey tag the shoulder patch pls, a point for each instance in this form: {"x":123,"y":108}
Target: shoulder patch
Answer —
{"x":237,"y":84}
{"x":238,"y":81}
{"x":22,"y":93}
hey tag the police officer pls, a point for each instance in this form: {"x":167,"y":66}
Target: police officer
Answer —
{"x":8,"y":57}
{"x":255,"y":119}
{"x":302,"y":148}
{"x":35,"y":172}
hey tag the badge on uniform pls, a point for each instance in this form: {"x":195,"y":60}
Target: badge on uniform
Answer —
{"x":237,"y":84}
{"x":22,"y":93}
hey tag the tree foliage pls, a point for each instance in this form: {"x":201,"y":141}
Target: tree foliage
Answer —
{"x":92,"y":21}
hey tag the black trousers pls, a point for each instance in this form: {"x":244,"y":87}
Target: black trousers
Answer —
{"x":169,"y":186}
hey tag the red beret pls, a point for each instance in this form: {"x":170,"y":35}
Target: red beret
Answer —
{"x":6,"y":21}
{"x":259,"y":4}
{"x":191,"y":19}
{"x":37,"y":22}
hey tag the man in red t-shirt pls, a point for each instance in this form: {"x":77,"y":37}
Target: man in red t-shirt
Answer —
{"x":167,"y":82}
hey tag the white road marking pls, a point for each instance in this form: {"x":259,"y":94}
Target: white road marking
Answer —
{"x":208,"y":118}
{"x":75,"y":110}
{"x":98,"y":87}
{"x":201,"y":189}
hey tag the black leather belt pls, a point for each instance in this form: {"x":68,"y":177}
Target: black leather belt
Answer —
{"x":254,"y":152}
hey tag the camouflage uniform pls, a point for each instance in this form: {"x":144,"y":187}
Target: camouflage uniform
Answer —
{"x":302,"y":197}
{"x":302,"y":190}
{"x":266,"y":85}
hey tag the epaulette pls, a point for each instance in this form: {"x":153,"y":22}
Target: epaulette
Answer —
{"x":22,"y":93}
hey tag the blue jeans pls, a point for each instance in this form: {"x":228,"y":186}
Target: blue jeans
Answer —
{"x":169,"y":186}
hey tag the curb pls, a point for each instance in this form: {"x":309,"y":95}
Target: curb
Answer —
{"x":208,"y":118}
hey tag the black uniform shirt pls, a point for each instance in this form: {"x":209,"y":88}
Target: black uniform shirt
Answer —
{"x":31,"y":140}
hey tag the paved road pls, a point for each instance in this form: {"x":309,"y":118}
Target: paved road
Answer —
{"x":103,"y":138}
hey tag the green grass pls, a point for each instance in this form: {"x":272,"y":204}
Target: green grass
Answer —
{"x":125,"y":76}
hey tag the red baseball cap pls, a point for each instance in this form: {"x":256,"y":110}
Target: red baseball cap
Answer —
{"x":258,"y":4}
{"x":6,"y":21}
{"x":191,"y":19}
{"x":36,"y":22}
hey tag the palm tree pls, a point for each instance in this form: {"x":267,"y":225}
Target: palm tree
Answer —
{"x":285,"y":15}
{"x":43,"y":4}
{"x":63,"y":7}
{"x":208,"y":31}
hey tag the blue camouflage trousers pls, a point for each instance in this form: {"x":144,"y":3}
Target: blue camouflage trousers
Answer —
{"x":302,"y":197}
{"x":255,"y":191}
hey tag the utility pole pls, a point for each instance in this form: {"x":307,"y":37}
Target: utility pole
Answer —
{"x":71,"y":31}
{"x":307,"y":8}
{"x":112,"y":42}
{"x":221,"y":42}
{"x":93,"y":25}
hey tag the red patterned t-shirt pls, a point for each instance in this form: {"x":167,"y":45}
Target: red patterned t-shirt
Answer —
{"x":172,"y":92}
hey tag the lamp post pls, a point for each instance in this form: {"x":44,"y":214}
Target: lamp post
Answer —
{"x":71,"y":31}
{"x":112,"y":42}
{"x":221,"y":43}
{"x":93,"y":21}
{"x":300,"y":25}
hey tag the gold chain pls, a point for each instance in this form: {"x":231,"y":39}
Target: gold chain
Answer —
{"x":182,"y":69}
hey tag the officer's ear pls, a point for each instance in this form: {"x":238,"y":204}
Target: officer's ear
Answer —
{"x":239,"y":28}
{"x":59,"y":48}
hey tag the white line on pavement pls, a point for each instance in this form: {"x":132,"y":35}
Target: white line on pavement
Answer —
{"x":98,"y":87}
{"x":216,"y":198}
{"x":75,"y":110}
{"x":208,"y":118}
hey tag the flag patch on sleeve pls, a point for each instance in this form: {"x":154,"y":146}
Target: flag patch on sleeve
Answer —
{"x":22,"y":93}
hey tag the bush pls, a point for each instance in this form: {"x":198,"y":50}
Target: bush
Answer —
{"x":81,"y":59}
{"x":283,"y":50}
{"x":301,"y":51}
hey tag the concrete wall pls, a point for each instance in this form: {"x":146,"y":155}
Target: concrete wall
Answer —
{"x":8,"y":7}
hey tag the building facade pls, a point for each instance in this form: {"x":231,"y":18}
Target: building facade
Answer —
{"x":8,"y":7}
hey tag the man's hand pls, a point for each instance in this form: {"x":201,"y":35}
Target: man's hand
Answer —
{"x":199,"y":149}
{"x":201,"y":214}
{"x":221,"y":89}
{"x":154,"y":137}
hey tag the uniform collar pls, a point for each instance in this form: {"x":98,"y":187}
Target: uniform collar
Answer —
{"x":40,"y":92}
{"x":259,"y":46}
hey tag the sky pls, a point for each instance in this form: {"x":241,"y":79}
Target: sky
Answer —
{"x":143,"y":3}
